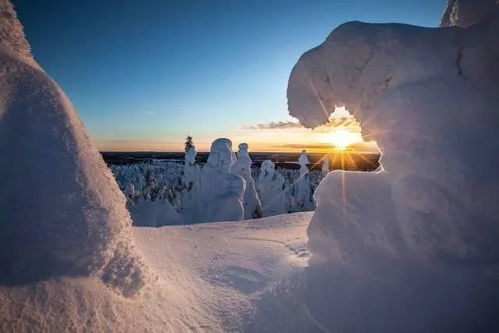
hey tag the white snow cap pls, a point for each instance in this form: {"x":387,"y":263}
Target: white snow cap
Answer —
{"x":61,"y":210}
{"x":221,"y":154}
{"x":243,"y":150}
{"x":267,"y":167}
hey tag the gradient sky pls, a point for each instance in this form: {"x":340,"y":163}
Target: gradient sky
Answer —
{"x":143,"y":74}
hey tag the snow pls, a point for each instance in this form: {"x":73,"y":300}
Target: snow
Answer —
{"x":325,"y":167}
{"x":465,"y":13}
{"x":221,"y":190}
{"x":242,"y":168}
{"x":270,"y":189}
{"x":178,"y":185}
{"x":303,"y":199}
{"x":233,"y":266}
{"x":205,"y":277}
{"x":413,"y":247}
{"x":62,"y":212}
{"x":191,"y":196}
{"x":147,"y":213}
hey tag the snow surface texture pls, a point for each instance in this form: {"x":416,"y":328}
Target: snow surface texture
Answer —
{"x":61,"y":212}
{"x":414,"y":247}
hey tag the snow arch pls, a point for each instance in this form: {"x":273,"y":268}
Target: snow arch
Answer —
{"x":425,"y":231}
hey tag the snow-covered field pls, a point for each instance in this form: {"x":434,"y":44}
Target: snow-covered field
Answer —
{"x":207,"y":277}
{"x":236,"y":266}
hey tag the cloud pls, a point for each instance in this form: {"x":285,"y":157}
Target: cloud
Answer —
{"x":365,"y":147}
{"x":305,"y":146}
{"x":333,"y":122}
{"x":275,"y":125}
{"x":148,"y":112}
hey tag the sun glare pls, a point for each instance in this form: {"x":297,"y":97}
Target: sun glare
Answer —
{"x":342,"y":138}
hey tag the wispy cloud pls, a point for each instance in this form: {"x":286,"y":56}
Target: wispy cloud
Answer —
{"x":275,"y":125}
{"x":148,"y":112}
{"x":333,"y":122}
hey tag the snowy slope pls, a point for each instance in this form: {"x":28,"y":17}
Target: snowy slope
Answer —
{"x":235,"y":265}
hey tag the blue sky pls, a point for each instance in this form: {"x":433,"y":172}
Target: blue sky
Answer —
{"x":153,"y":71}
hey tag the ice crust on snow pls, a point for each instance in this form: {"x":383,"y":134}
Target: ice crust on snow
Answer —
{"x":415,"y":245}
{"x":62,"y":213}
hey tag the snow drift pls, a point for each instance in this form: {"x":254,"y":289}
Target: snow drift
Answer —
{"x":413,"y":247}
{"x":61,"y":212}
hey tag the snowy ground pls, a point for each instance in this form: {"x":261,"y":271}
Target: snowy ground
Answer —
{"x":212,"y":277}
{"x":236,"y":265}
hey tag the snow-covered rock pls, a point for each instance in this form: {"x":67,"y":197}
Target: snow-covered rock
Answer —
{"x":61,"y":210}
{"x":221,"y":190}
{"x":270,"y":188}
{"x":242,"y":168}
{"x":413,"y":247}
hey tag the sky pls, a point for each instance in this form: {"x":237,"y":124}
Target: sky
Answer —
{"x":144,"y":74}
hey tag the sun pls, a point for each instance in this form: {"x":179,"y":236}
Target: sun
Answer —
{"x":342,"y":138}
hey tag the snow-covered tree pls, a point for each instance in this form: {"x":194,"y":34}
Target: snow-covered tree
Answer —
{"x":270,"y":189}
{"x":188,"y":143}
{"x":242,"y":168}
{"x":191,"y":195}
{"x":303,"y":200}
{"x":426,"y":230}
{"x":221,"y":190}
{"x":325,"y":166}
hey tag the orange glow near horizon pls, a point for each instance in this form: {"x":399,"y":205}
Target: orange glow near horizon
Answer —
{"x":342,"y":138}
{"x":342,"y":132}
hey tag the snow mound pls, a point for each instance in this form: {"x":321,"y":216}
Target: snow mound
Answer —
{"x":413,"y":247}
{"x":62,"y":213}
